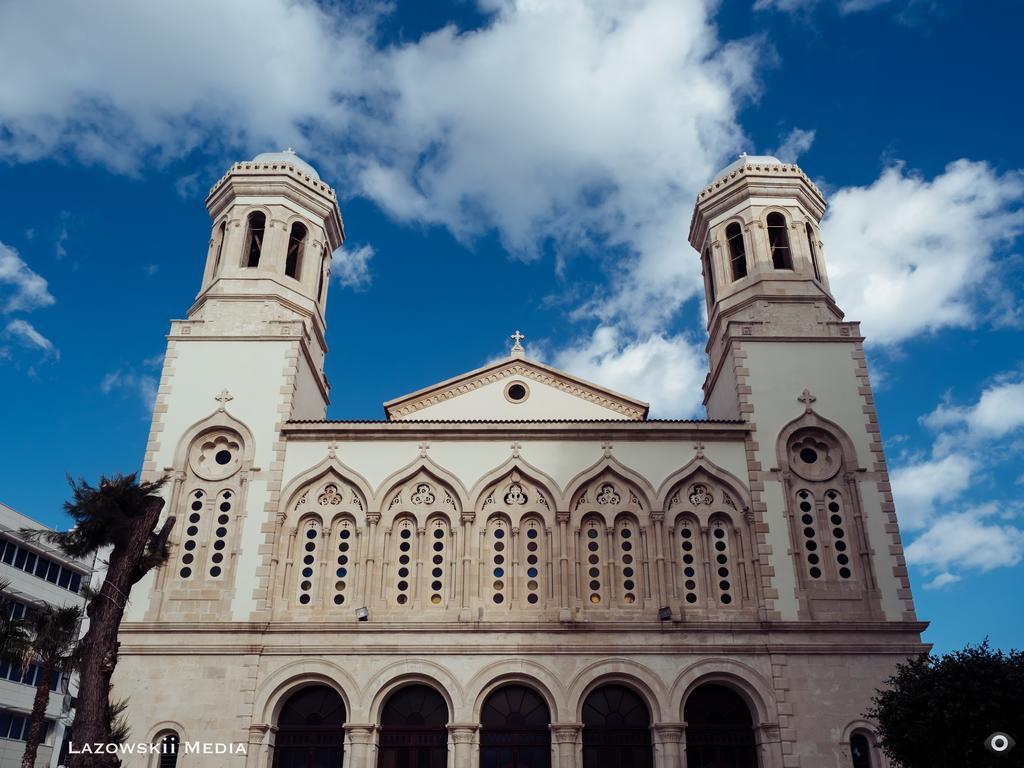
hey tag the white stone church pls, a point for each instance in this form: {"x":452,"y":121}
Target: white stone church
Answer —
{"x":517,"y":568}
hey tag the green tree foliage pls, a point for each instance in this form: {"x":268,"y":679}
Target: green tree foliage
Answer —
{"x":937,"y":711}
{"x":14,"y":633}
{"x":54,"y":648}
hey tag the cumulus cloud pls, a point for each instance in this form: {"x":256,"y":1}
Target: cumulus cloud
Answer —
{"x":918,"y":486}
{"x":797,"y":142}
{"x":351,"y":266}
{"x":141,"y":385}
{"x":666,"y":371}
{"x":971,"y":540}
{"x":908,"y":255}
{"x":999,"y":411}
{"x":21,"y":289}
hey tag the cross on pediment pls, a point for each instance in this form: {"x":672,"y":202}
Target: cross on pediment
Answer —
{"x":223,"y":398}
{"x":424,"y":447}
{"x":517,"y":347}
{"x":516,"y":446}
{"x":807,"y":398}
{"x":607,"y":448}
{"x":699,"y":448}
{"x":332,"y":449}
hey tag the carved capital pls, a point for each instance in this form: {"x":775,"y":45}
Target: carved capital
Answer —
{"x":566,"y":733}
{"x":373,"y":518}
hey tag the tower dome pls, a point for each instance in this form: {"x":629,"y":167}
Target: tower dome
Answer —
{"x":287,"y":157}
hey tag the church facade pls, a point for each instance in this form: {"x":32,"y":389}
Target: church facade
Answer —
{"x":516,"y":568}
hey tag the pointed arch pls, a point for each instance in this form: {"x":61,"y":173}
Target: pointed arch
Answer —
{"x":385,"y":498}
{"x":698,"y":469}
{"x":492,"y":479}
{"x":219,"y":419}
{"x":810,"y":419}
{"x":330,"y":466}
{"x":607,"y":467}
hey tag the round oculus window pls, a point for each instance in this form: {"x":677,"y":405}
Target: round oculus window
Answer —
{"x":516,"y":392}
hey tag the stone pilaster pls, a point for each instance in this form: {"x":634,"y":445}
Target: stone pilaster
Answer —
{"x":463,"y":739}
{"x":566,"y":741}
{"x":669,"y":745}
{"x":360,"y":740}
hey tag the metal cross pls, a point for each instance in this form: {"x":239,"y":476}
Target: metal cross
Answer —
{"x":223,"y":398}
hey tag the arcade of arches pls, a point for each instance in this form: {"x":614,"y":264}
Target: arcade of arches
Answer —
{"x":515,"y":731}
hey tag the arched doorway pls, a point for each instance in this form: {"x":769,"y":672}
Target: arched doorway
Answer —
{"x":616,"y":729}
{"x":413,"y":729}
{"x":311,"y":729}
{"x":719,"y":729}
{"x":514,"y":729}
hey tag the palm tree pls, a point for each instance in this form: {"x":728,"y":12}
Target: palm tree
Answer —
{"x":117,"y":517}
{"x":53,"y":648}
{"x":14,"y":636}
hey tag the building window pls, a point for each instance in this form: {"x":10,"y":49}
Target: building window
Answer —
{"x":14,"y":726}
{"x":737,"y":252}
{"x":593,"y":581}
{"x":257,"y":226}
{"x":405,"y":531}
{"x":515,"y":729}
{"x":438,"y":544}
{"x":814,"y":252}
{"x":534,"y":544}
{"x":168,"y":750}
{"x":616,"y":729}
{"x":689,"y":538}
{"x":311,"y":729}
{"x":778,"y":240}
{"x":629,"y":546}
{"x":709,"y":276}
{"x":39,"y":566}
{"x":500,"y":561}
{"x":221,"y":230}
{"x":296,"y":244}
{"x":325,"y":272}
{"x":722,"y":578}
{"x":860,"y":750}
{"x":413,"y":729}
{"x":307,"y":543}
{"x":345,"y":538}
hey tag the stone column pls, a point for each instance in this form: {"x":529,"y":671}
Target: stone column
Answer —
{"x":565,"y":742}
{"x":563,"y":563}
{"x":513,"y":571}
{"x":418,"y":580}
{"x":371,"y":542}
{"x":463,"y":739}
{"x":359,"y":743}
{"x":258,"y":749}
{"x":610,"y":570}
{"x":658,"y":519}
{"x":465,"y":583}
{"x":669,"y":745}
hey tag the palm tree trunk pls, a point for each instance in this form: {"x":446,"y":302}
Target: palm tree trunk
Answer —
{"x":126,"y":565}
{"x":37,"y":725}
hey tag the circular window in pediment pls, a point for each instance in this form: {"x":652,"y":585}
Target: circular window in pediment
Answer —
{"x":814,"y":454}
{"x":516,"y":391}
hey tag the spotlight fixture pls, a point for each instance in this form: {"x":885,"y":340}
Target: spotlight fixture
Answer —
{"x":362,"y":614}
{"x":665,"y":614}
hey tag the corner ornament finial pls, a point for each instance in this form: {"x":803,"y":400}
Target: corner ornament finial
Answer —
{"x":517,"y":348}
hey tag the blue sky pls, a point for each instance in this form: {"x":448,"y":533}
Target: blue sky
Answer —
{"x":530,"y":164}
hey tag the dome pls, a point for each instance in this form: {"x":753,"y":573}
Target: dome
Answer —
{"x":746,"y":159}
{"x":288,"y":157}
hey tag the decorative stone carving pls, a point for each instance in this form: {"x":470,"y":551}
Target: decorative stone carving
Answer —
{"x":700,"y":494}
{"x":422,"y":495}
{"x":608,"y":495}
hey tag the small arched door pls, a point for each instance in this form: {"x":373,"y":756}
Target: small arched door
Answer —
{"x":616,"y":729}
{"x":311,"y":729}
{"x":514,"y":730}
{"x":719,"y":729}
{"x":413,"y":729}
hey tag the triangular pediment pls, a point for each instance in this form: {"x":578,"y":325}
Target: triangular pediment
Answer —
{"x":515,"y":389}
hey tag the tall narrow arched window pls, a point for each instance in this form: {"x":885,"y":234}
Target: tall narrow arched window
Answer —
{"x":709,"y":276}
{"x":221,"y":232}
{"x":860,"y":750}
{"x":814,"y":252}
{"x":593,"y":538}
{"x":778,"y":240}
{"x":737,"y":251}
{"x":296,"y":244}
{"x":325,"y":272}
{"x":254,"y":242}
{"x":168,"y":750}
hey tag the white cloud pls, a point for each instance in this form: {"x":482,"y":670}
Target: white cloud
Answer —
{"x":797,"y":142}
{"x":943,"y":579}
{"x":968,"y":540}
{"x":352,"y":266}
{"x":666,"y":371}
{"x":999,"y":411}
{"x":791,"y":6}
{"x":143,"y":386}
{"x":919,"y":486}
{"x":21,"y":289}
{"x":26,"y":334}
{"x":908,"y":255}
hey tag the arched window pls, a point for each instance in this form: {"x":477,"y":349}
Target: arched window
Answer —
{"x":721,"y":575}
{"x":499,"y":565}
{"x":345,"y":536}
{"x":719,"y":729}
{"x":593,"y":537}
{"x":616,"y":729}
{"x":225,"y":503}
{"x":533,"y":575}
{"x":221,"y":231}
{"x":692,"y":557}
{"x":308,"y":558}
{"x":167,"y":746}
{"x":514,"y":729}
{"x":254,"y":243}
{"x":195,"y":504}
{"x":778,"y":240}
{"x":627,"y":540}
{"x":325,"y":272}
{"x":404,"y":535}
{"x":814,"y":252}
{"x":296,"y":244}
{"x":737,"y":251}
{"x":709,"y":275}
{"x":311,"y":729}
{"x":439,"y":552}
{"x":413,"y":729}
{"x":860,"y":750}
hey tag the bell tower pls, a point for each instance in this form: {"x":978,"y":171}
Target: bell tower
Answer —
{"x":783,"y":359}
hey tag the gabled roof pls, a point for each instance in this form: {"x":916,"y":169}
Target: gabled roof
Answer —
{"x":482,"y":394}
